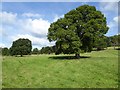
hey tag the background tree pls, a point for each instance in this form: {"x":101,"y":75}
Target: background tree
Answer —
{"x":0,"y":50}
{"x":35,"y":51}
{"x":78,"y":30}
{"x":5,"y":51}
{"x":101,"y":43}
{"x":108,"y":41}
{"x":21,"y":47}
{"x":118,"y":39}
{"x":113,"y":40}
{"x":47,"y":50}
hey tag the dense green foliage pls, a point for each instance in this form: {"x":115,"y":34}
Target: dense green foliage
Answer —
{"x":114,"y":40}
{"x":0,"y":51}
{"x":5,"y":51}
{"x":47,"y":50}
{"x":99,"y":70}
{"x":78,"y":30}
{"x":101,"y":43}
{"x":21,"y":47}
{"x":35,"y":51}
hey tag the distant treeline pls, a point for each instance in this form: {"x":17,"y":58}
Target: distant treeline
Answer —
{"x":101,"y":44}
{"x":44,"y":50}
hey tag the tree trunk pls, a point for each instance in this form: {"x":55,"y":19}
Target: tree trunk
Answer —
{"x":114,"y":46}
{"x":21,"y":55}
{"x":77,"y":56}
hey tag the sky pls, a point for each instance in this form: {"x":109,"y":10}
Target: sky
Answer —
{"x":32,"y":19}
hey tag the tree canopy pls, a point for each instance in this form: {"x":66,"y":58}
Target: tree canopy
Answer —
{"x":78,"y":30}
{"x":114,"y":40}
{"x":35,"y":51}
{"x":47,"y":50}
{"x":21,"y":47}
{"x":5,"y":51}
{"x":101,"y":43}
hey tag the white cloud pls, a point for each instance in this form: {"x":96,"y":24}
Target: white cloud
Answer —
{"x":109,"y":6}
{"x":116,"y":19}
{"x":1,"y":30}
{"x":41,"y":42}
{"x":83,"y":3}
{"x":31,"y":15}
{"x":57,"y":17}
{"x":113,"y":26}
{"x":36,"y":26}
{"x":8,"y":18}
{"x":114,"y":22}
{"x":40,"y":26}
{"x":110,"y":10}
{"x":2,"y":45}
{"x":18,"y":27}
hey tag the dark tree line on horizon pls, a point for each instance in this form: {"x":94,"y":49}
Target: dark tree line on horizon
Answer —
{"x":111,"y":41}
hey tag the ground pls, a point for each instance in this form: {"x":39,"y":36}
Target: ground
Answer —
{"x":96,"y":69}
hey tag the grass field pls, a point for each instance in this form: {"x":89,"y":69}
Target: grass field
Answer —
{"x":98,"y":69}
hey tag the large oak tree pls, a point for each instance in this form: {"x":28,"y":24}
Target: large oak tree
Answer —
{"x":78,"y":30}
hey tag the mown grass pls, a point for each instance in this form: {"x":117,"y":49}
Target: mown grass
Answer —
{"x":98,"y":70}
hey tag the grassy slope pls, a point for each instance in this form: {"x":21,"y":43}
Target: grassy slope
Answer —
{"x":100,"y":70}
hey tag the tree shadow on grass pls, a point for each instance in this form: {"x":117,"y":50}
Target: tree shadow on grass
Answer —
{"x":118,"y":49}
{"x":67,"y":57}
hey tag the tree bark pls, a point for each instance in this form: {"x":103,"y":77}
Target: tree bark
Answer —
{"x":77,"y":56}
{"x":21,"y":55}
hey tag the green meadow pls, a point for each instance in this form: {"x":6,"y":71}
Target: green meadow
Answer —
{"x":98,"y":69}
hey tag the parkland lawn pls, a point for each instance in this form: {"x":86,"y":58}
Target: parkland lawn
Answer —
{"x":98,"y":69}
